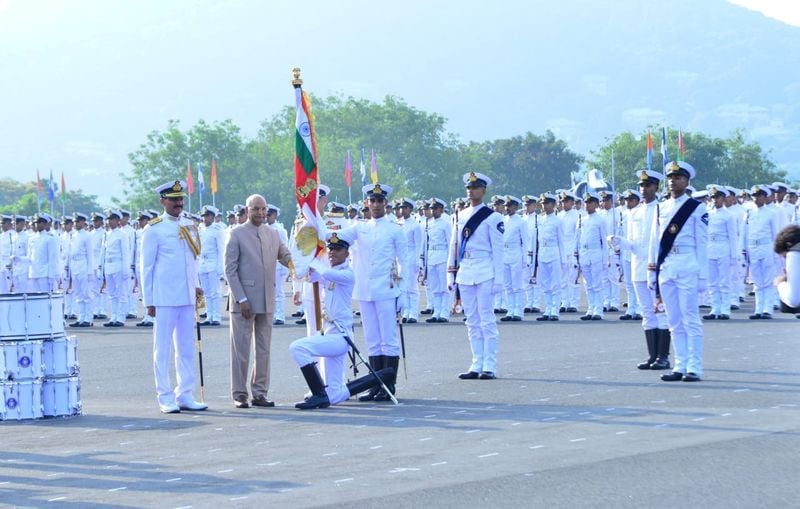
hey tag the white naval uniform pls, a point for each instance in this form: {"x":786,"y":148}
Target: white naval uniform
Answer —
{"x":435,"y":246}
{"x":45,"y":268}
{"x":411,"y":266}
{"x":722,"y":248}
{"x":593,"y":257}
{"x":20,"y":262}
{"x":99,"y":297}
{"x":169,"y":282}
{"x":479,"y":277}
{"x":762,"y":225}
{"x":337,"y":288}
{"x":6,"y":250}
{"x":132,"y":289}
{"x":116,"y":269}
{"x":63,"y":240}
{"x":281,"y":273}
{"x":552,"y":257}
{"x":378,"y":247}
{"x":570,"y":287}
{"x":516,"y":244}
{"x":683,"y":273}
{"x":634,"y":307}
{"x":637,"y":242}
{"x":612,"y":218}
{"x":532,"y":289}
{"x":211,"y":269}
{"x":81,"y":267}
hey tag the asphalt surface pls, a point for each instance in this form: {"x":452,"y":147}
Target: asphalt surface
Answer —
{"x":570,"y":422}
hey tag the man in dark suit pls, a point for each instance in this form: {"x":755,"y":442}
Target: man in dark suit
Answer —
{"x":251,"y":254}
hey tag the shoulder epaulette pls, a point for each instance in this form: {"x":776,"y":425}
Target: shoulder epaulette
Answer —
{"x":155,"y":220}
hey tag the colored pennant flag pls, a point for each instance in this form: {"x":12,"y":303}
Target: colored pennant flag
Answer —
{"x":306,"y":181}
{"x":373,"y":168}
{"x":39,"y":191}
{"x":681,"y":148}
{"x":63,"y":188}
{"x":649,"y":151}
{"x":51,"y":189}
{"x":664,"y":156}
{"x":348,"y":171}
{"x":214,"y":176}
{"x":200,"y":182}
{"x":189,"y":179}
{"x":363,"y":169}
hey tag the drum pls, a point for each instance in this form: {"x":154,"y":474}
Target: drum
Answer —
{"x":61,"y":396}
{"x":60,"y":356}
{"x":21,"y":400}
{"x":31,"y":314}
{"x":21,"y":360}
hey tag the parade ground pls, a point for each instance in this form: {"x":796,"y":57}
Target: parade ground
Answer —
{"x":570,"y":422}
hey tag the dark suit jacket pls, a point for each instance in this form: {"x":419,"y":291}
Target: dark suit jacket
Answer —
{"x":251,"y":254}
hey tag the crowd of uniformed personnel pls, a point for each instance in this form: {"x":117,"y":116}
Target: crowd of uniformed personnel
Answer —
{"x":546,"y":253}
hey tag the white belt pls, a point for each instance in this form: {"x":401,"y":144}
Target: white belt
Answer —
{"x":682,"y":250}
{"x":512,"y":245}
{"x":548,"y":244}
{"x":477,"y":254}
{"x":587,"y":248}
{"x":714,"y":238}
{"x":758,"y":242}
{"x":440,"y":247}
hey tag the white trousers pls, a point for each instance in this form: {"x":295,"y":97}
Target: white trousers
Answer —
{"x":679,"y":294}
{"x":594,"y":277}
{"x":634,"y":306}
{"x":332,"y":348}
{"x":117,"y":286}
{"x":437,"y":285}
{"x":647,"y":305}
{"x":82,"y":297}
{"x":548,"y":278}
{"x":719,"y":285}
{"x":210,"y":285}
{"x":378,"y":317}
{"x":477,"y":301}
{"x":173,"y":333}
{"x":514,"y":287}
{"x":762,"y":273}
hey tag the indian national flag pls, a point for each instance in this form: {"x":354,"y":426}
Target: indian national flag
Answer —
{"x":305,"y":174}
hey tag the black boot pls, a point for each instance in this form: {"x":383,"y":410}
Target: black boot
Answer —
{"x":391,"y":380}
{"x":368,"y":381}
{"x":377,"y":363}
{"x":662,"y":348}
{"x":319,"y":398}
{"x":650,"y":336}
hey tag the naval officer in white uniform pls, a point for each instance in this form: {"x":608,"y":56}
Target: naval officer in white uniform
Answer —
{"x":170,"y":289}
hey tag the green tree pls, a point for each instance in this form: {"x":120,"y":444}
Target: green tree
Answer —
{"x":20,"y":198}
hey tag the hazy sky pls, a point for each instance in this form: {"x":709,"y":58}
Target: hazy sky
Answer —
{"x":82,"y":82}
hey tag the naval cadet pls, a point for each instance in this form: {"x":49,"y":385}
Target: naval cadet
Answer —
{"x":477,"y":274}
{"x":170,"y":291}
{"x":549,"y":257}
{"x":81,"y":268}
{"x":44,"y":271}
{"x":437,"y":240}
{"x":679,"y":261}
{"x":592,"y":256}
{"x":211,"y":269}
{"x":722,"y":248}
{"x":412,"y":265}
{"x":762,"y":225}
{"x":516,"y":244}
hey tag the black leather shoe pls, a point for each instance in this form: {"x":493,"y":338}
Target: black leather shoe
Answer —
{"x":297,"y":314}
{"x":215,"y":322}
{"x":723,"y":317}
{"x":204,"y":315}
{"x":516,"y":318}
{"x":101,"y":316}
{"x":626,"y":316}
{"x":301,"y":321}
{"x":596,"y":317}
{"x":660,"y":363}
{"x":487,"y":375}
{"x":766,"y":316}
{"x":613,"y":309}
{"x":756,"y":316}
{"x":404,"y":320}
{"x":109,"y":324}
{"x":586,"y":317}
{"x":691,"y":377}
{"x":205,"y":323}
{"x":534,"y":309}
{"x":131,"y":316}
{"x":672,"y":377}
{"x":637,"y":317}
{"x":704,"y":306}
{"x":498,"y":311}
{"x":646,"y":364}
{"x":315,"y":401}
{"x":710,"y":316}
{"x":542,"y":318}
{"x":734,"y":307}
{"x":426,"y":312}
{"x":527,"y":310}
{"x":442,"y":320}
{"x":411,"y":320}
{"x":241,"y":402}
{"x":562,"y":309}
{"x":277,"y":322}
{"x":572,"y":310}
{"x":507,"y":319}
{"x":469,"y":375}
{"x":76,"y":324}
{"x":432,"y":319}
{"x":264,"y":402}
{"x":553,"y":318}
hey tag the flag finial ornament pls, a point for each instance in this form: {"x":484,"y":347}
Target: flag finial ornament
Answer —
{"x":296,"y":81}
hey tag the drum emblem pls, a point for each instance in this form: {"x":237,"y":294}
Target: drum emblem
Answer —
{"x":25,"y":361}
{"x":11,"y":403}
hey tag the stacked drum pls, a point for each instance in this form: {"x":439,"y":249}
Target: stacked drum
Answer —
{"x":39,"y":372}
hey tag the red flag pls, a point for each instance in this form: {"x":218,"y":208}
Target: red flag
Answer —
{"x":63,"y":187}
{"x":348,"y":171}
{"x":214,"y":176}
{"x":189,"y":180}
{"x":681,"y":148}
{"x":39,"y":188}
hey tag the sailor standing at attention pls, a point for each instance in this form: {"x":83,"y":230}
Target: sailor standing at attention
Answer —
{"x":679,"y":262}
{"x":477,"y":273}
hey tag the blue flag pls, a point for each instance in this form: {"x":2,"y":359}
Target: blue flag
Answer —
{"x":664,"y":156}
{"x":51,"y":189}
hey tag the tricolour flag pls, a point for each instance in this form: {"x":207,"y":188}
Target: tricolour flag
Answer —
{"x":39,"y":191}
{"x":200,"y":182}
{"x":363,"y":169}
{"x":348,"y":171}
{"x":63,"y":188}
{"x":649,"y":151}
{"x":214,"y":176}
{"x":51,"y":189}
{"x":306,"y":180}
{"x":189,"y":179}
{"x":681,"y":148}
{"x":373,"y":168}
{"x":664,"y":156}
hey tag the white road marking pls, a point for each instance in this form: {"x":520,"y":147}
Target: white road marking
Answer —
{"x":726,"y":414}
{"x":57,"y":499}
{"x":472,"y":431}
{"x":227,"y":470}
{"x":330,"y":454}
{"x":621,"y":433}
{"x":741,"y":390}
{"x":348,"y":479}
{"x":698,"y":419}
{"x":174,"y":479}
{"x":439,"y":463}
{"x":237,"y":498}
{"x":376,"y":447}
{"x":118,"y":489}
{"x":425,"y":439}
{"x":489,"y":455}
{"x":578,"y":440}
{"x":535,"y":447}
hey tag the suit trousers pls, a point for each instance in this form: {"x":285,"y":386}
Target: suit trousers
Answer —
{"x":379,"y":318}
{"x":332,"y":348}
{"x":173,"y":332}
{"x":481,"y":325}
{"x":244,"y":334}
